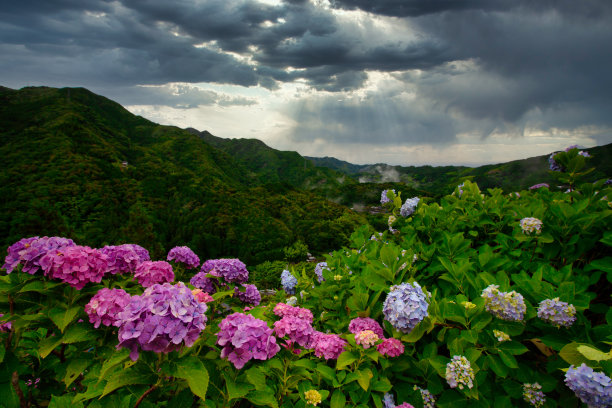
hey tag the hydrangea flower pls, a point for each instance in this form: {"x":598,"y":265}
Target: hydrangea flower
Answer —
{"x":532,"y":393}
{"x":33,"y":250}
{"x":459,"y":373}
{"x":13,"y":258}
{"x":391,"y":348}
{"x":184,"y":255}
{"x":504,"y":305}
{"x":405,"y":306}
{"x":162,"y":319}
{"x":292,"y":301}
{"x":567,"y":149}
{"x":540,"y":185}
{"x":593,"y":388}
{"x":289,"y":282}
{"x":319,"y":271}
{"x":366,"y":338}
{"x":75,"y":265}
{"x":460,"y":188}
{"x":557,"y":313}
{"x":244,"y":337}
{"x":328,"y":346}
{"x":374,"y":237}
{"x":4,"y":325}
{"x":428,"y":400}
{"x":313,"y":397}
{"x":231,"y":270}
{"x":501,"y":336}
{"x":383,"y":196}
{"x":405,"y":405}
{"x":201,"y":281}
{"x":283,"y":309}
{"x":530,"y":224}
{"x":388,"y":400}
{"x":202,"y":296}
{"x":365,"y":323}
{"x":250,"y":295}
{"x":125,"y":258}
{"x":150,"y":273}
{"x":105,"y":306}
{"x":298,"y":330}
{"x":552,"y":164}
{"x":409,"y":206}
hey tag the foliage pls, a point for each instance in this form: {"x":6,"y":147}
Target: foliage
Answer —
{"x":297,"y":252}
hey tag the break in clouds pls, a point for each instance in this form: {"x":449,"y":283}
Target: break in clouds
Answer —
{"x":344,"y":73}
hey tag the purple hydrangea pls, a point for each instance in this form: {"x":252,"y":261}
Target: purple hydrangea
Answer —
{"x":150,"y":273}
{"x":460,"y":189}
{"x":557,"y":313}
{"x":459,"y":373}
{"x":365,"y":323}
{"x":409,"y":206}
{"x":405,"y":306}
{"x":593,"y":388}
{"x":552,"y":163}
{"x":383,"y":196}
{"x":328,"y":346}
{"x":283,"y":309}
{"x":106,"y":305}
{"x":567,"y":149}
{"x":184,"y":255}
{"x":31,"y":255}
{"x":244,"y":337}
{"x":391,"y":348}
{"x":125,"y":258}
{"x":162,"y":319}
{"x":584,"y":154}
{"x":13,"y":258}
{"x":319,"y":271}
{"x":201,"y":281}
{"x":540,"y":185}
{"x":250,"y":295}
{"x":289,"y":282}
{"x":298,"y":330}
{"x":532,"y":393}
{"x":388,"y":400}
{"x":231,"y":270}
{"x":4,"y":325}
{"x":504,"y":305}
{"x":428,"y":400}
{"x":75,"y":265}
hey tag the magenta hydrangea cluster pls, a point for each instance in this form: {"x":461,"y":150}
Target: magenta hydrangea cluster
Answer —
{"x":557,"y":313}
{"x":162,"y":319}
{"x":327,"y":346}
{"x":390,"y":348}
{"x":106,"y":305}
{"x":206,"y":284}
{"x":532,"y":394}
{"x":283,"y":309}
{"x":250,"y":294}
{"x":150,"y":273}
{"x":505,"y":305}
{"x":202,"y":296}
{"x":244,"y":337}
{"x":29,"y":251}
{"x":298,"y":330}
{"x":365,"y":323}
{"x":4,"y":325}
{"x":459,"y":373}
{"x":405,"y":306}
{"x":125,"y":258}
{"x":231,"y":270}
{"x":184,"y":255}
{"x":592,"y":387}
{"x":75,"y":265}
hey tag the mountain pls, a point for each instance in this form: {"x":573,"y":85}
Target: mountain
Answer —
{"x":79,"y":165}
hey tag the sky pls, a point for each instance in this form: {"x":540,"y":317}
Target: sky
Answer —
{"x":409,"y":82}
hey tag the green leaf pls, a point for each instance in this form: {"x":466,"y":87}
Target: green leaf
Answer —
{"x":593,"y":354}
{"x":383,"y":385}
{"x":503,"y":402}
{"x":65,"y":401}
{"x":306,"y":363}
{"x":222,"y":295}
{"x":235,"y":390}
{"x":496,"y":365}
{"x":46,"y":346}
{"x":451,"y":399}
{"x":364,"y":377}
{"x":326,"y":372}
{"x":78,"y":333}
{"x":346,"y":358}
{"x":571,"y":355}
{"x":115,"y":359}
{"x":415,"y":335}
{"x":513,"y":347}
{"x":256,"y":377}
{"x":338,"y":400}
{"x":193,"y":370}
{"x":508,"y":359}
{"x":62,"y":317}
{"x":262,"y":398}
{"x":481,"y":320}
{"x":128,"y":377}
{"x":74,"y":369}
{"x":35,"y":286}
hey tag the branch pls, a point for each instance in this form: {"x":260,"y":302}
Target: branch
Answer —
{"x":15,"y":382}
{"x":143,"y":396}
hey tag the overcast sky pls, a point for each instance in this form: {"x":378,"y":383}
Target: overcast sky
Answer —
{"x":406,"y":82}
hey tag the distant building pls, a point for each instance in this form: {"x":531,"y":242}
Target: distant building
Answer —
{"x":124,"y":164}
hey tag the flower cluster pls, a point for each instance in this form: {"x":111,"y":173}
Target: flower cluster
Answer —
{"x":584,"y":154}
{"x":201,"y":281}
{"x":359,"y":324}
{"x":532,"y":393}
{"x":557,"y":313}
{"x":75,"y":265}
{"x":283,"y":309}
{"x":150,"y":273}
{"x":460,"y":189}
{"x":313,"y":397}
{"x":540,"y":185}
{"x":298,"y":330}
{"x":319,"y":271}
{"x":250,"y":295}
{"x":593,"y":388}
{"x":31,"y":250}
{"x":105,"y":306}
{"x":553,"y":165}
{"x":391,"y":348}
{"x":202,"y":296}
{"x":388,"y":400}
{"x":383,"y":196}
{"x":409,"y":206}
{"x":5,"y":326}
{"x":244,"y":337}
{"x":231,"y":270}
{"x":13,"y":257}
{"x":428,"y":400}
{"x":292,"y":301}
{"x":124,"y":258}
{"x":504,"y":305}
{"x":501,"y":336}
{"x":405,"y":405}
{"x":289,"y":282}
{"x":184,"y":255}
{"x":161,"y":319}
{"x":459,"y":373}
{"x":366,"y":338}
{"x":328,"y":346}
{"x":405,"y":306}
{"x":530,"y":224}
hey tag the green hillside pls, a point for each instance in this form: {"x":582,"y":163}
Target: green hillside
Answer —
{"x":81,"y":166}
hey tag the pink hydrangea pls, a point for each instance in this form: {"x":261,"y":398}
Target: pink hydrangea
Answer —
{"x":75,"y":265}
{"x":391,"y":348}
{"x":244,"y":337}
{"x":283,"y":309}
{"x":328,"y":346}
{"x":365,"y":323}
{"x":125,"y":258}
{"x":149,"y":273}
{"x":4,"y":325}
{"x":298,"y":330}
{"x":366,"y":338}
{"x":404,"y":405}
{"x":202,"y":296}
{"x":105,"y":306}
{"x":184,"y":255}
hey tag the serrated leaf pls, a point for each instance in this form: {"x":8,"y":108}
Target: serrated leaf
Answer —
{"x":78,"y":333}
{"x":64,"y":401}
{"x":46,"y":346}
{"x":62,"y":317}
{"x":346,"y":358}
{"x":236,"y":390}
{"x":74,"y":369}
{"x":326,"y":372}
{"x":262,"y":398}
{"x":338,"y":400}
{"x":256,"y":377}
{"x":364,"y":377}
{"x":593,"y":354}
{"x":128,"y":377}
{"x":196,"y":375}
{"x":117,"y":358}
{"x":508,"y":359}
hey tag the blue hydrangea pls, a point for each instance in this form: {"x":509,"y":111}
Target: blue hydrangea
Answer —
{"x":383,"y":196}
{"x":557,"y":313}
{"x":289,"y":282}
{"x":405,"y":306}
{"x":504,"y":305}
{"x":459,"y":373}
{"x":593,"y":388}
{"x":409,"y":206}
{"x":319,"y":271}
{"x":532,"y":393}
{"x":388,"y":400}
